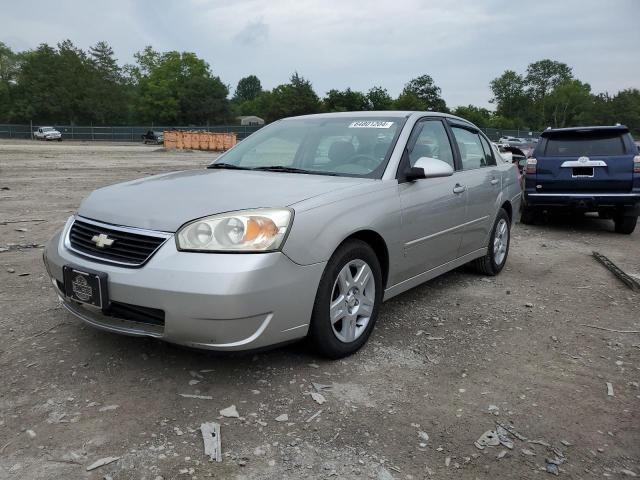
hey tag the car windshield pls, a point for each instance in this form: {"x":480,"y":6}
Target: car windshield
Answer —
{"x":582,"y":144}
{"x":47,"y":129}
{"x":344,"y":146}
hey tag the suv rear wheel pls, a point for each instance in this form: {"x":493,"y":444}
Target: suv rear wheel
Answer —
{"x":625,"y":224}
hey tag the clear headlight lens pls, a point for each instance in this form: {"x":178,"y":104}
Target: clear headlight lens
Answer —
{"x":257,"y":230}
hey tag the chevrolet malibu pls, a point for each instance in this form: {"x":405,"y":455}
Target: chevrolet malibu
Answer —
{"x":301,"y":230}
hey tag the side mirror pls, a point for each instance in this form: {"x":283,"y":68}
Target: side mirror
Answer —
{"x":427,"y":167}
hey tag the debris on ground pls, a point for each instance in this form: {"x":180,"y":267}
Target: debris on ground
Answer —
{"x":319,"y":387}
{"x":318,"y":397}
{"x":629,"y":281}
{"x":200,"y":397}
{"x":610,"y":389}
{"x":503,"y":437}
{"x":212,"y":442}
{"x":312,"y":417}
{"x":512,"y":431}
{"x":108,"y":408}
{"x":282,"y":418}
{"x":628,"y":473}
{"x":230,"y":412}
{"x":501,"y":454}
{"x":487,"y":439}
{"x":526,"y":451}
{"x":31,"y":434}
{"x":102,"y":462}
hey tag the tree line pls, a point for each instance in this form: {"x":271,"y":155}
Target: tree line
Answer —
{"x":64,"y":84}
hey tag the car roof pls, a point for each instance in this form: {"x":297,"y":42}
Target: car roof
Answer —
{"x":386,"y":113}
{"x":596,"y":129}
{"x":377,"y":113}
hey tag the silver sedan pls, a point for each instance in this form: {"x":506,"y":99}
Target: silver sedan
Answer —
{"x":301,"y":230}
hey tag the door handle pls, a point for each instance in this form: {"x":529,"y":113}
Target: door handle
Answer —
{"x":494,"y":181}
{"x":459,"y":188}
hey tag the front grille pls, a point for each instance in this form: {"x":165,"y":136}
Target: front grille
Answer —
{"x":129,"y":247}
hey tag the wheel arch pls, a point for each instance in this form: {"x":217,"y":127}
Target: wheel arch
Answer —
{"x":506,"y":205}
{"x":379,"y":246}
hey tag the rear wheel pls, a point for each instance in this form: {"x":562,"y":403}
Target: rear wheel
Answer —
{"x":493,"y":262}
{"x":624,"y":224}
{"x":347,"y":302}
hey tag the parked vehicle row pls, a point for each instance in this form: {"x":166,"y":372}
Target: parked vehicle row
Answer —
{"x":301,"y":230}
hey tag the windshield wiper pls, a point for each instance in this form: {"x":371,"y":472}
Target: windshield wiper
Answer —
{"x":281,"y":168}
{"x":228,"y":166}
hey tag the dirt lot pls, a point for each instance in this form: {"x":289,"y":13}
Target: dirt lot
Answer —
{"x":450,"y":358}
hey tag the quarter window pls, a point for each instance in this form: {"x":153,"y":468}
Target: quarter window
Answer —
{"x":432,"y":141}
{"x":488,"y":154}
{"x":471,"y":152}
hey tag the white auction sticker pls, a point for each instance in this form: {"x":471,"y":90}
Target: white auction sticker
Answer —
{"x":370,"y":124}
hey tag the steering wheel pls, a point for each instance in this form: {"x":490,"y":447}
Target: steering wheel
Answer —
{"x":365,"y":160}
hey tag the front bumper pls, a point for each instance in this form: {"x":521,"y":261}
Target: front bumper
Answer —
{"x":585,"y":201}
{"x":211,"y":301}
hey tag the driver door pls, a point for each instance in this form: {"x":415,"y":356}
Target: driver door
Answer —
{"x":433,"y":209}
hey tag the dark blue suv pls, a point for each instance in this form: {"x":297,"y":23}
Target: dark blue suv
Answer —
{"x":587,"y":169}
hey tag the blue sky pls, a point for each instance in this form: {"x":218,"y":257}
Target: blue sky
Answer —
{"x":462,"y":44}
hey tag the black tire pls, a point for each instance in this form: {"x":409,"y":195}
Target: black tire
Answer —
{"x":487,"y":265}
{"x":528,"y":215}
{"x":321,"y":333}
{"x":60,"y":139}
{"x":625,"y":224}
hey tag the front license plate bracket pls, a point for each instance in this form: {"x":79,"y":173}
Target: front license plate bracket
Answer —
{"x":86,"y":286}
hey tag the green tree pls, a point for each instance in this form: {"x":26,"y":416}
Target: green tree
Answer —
{"x":248,"y":89}
{"x":294,"y":98}
{"x":476,"y":115}
{"x":425,"y":90}
{"x":541,"y":78}
{"x":625,"y":109}
{"x":9,"y":68}
{"x":509,"y":95}
{"x":379,"y":99}
{"x":178,"y":88}
{"x":408,"y":101}
{"x":345,"y":101}
{"x":567,"y":102}
{"x":110,"y":96}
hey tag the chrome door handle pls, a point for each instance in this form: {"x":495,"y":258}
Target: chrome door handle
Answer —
{"x":459,"y":188}
{"x":494,"y":181}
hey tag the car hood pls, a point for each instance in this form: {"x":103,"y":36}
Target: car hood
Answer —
{"x":165,"y":202}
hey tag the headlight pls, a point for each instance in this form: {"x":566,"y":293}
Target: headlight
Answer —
{"x":259,"y":230}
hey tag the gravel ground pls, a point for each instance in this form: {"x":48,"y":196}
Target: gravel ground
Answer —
{"x":451,"y":359}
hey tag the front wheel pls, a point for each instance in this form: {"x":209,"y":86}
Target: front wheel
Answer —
{"x":493,"y":262}
{"x":625,"y":224}
{"x":347,"y":301}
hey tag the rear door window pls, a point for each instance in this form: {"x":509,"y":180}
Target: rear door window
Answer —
{"x":583,"y":145}
{"x":471,"y":152}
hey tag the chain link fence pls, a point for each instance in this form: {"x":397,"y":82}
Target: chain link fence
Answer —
{"x":118,"y":134}
{"x":134,"y":133}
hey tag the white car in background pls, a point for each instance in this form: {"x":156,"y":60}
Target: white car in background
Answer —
{"x":47,"y":133}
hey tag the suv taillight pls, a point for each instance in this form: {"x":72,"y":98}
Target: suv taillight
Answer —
{"x":532,"y":164}
{"x":636,"y":164}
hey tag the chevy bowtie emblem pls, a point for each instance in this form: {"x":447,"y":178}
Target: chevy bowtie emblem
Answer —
{"x":102,"y":240}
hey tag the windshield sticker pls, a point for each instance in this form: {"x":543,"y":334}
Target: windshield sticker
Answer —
{"x":370,"y":124}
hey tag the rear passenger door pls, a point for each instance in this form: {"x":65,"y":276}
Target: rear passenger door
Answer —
{"x":433,"y":209}
{"x":482,"y":180}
